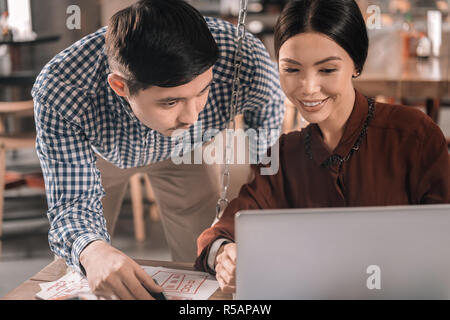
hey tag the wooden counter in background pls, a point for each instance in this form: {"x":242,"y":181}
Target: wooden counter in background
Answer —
{"x":388,"y":73}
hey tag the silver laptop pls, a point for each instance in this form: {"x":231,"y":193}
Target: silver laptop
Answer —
{"x":398,"y":252}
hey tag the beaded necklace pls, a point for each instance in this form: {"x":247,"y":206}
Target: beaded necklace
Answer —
{"x":336,"y":159}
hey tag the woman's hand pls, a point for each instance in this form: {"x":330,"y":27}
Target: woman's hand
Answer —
{"x":226,"y":267}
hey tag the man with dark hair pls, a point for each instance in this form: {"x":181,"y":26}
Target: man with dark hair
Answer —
{"x":108,"y":106}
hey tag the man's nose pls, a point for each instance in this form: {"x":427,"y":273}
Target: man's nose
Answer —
{"x":189,"y":114}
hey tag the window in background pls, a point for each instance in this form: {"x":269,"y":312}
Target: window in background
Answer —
{"x":19,"y":19}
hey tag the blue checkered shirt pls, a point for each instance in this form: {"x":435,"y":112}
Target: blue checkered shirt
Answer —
{"x":77,"y":115}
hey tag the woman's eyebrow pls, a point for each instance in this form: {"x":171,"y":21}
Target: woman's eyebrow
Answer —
{"x":327,"y":59}
{"x":292,"y":61}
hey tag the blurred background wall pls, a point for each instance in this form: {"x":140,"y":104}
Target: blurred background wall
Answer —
{"x":49,"y":17}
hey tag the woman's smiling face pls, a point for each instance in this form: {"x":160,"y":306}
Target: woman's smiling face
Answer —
{"x":316,"y":76}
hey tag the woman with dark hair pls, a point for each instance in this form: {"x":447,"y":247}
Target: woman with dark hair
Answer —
{"x":355,"y":152}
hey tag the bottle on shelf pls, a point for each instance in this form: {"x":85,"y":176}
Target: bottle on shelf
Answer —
{"x":5,"y":29}
{"x":410,"y":37}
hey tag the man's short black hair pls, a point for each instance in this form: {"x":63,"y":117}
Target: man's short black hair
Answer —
{"x":163,"y":43}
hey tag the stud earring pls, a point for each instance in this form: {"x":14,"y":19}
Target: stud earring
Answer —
{"x":357,"y":75}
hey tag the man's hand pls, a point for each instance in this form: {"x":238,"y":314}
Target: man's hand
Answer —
{"x":226,"y":267}
{"x":110,"y":272}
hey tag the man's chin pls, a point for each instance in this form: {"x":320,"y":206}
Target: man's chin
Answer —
{"x":175,"y":132}
{"x":171,"y":132}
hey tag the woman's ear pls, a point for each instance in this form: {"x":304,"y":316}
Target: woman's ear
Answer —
{"x":117,"y":83}
{"x":356,"y":73}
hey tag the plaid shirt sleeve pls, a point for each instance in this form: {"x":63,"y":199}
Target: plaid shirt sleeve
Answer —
{"x":264,"y":103}
{"x":73,"y":185}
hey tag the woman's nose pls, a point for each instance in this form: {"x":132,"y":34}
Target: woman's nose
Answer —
{"x":310,"y":86}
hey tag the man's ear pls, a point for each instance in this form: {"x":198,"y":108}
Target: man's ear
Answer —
{"x":117,"y":83}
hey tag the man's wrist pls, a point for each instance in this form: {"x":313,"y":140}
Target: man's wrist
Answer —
{"x":86,"y":253}
{"x":80,"y":244}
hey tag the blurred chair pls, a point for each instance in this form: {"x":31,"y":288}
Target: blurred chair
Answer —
{"x":137,"y":202}
{"x":10,"y":140}
{"x":445,"y":103}
{"x":429,"y":105}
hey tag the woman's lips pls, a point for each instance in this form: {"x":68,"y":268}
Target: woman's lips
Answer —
{"x":313,"y":108}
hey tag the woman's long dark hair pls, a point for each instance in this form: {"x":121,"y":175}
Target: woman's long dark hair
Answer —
{"x":340,"y":20}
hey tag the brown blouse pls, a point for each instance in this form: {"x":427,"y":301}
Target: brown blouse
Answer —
{"x":402,"y":159}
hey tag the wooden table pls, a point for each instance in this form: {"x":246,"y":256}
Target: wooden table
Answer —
{"x":56,"y":269}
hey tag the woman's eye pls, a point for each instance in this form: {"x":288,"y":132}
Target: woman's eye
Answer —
{"x":290,"y":70}
{"x":328,"y":70}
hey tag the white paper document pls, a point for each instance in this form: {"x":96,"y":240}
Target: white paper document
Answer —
{"x":177,"y":285}
{"x":183,"y":284}
{"x":71,"y":284}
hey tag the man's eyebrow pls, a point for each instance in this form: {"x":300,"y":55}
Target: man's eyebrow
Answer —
{"x":182,"y":98}
{"x":207,"y":86}
{"x":292,"y":61}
